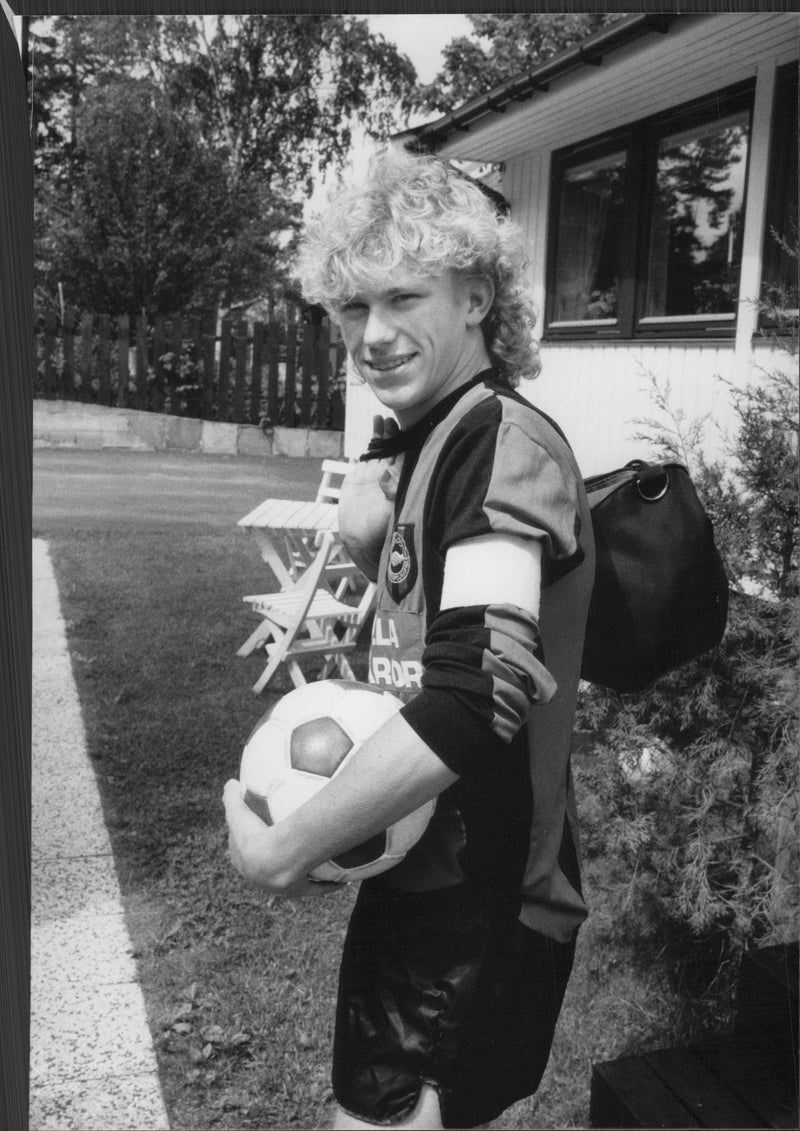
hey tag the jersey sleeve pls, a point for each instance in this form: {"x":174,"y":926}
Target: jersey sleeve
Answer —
{"x":483,"y":665}
{"x":512,"y":478}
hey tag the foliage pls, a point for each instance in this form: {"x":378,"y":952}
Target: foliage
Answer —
{"x":69,"y":56}
{"x":501,"y":47}
{"x":694,"y":793}
{"x":693,"y":796}
{"x":173,"y":152}
{"x":752,"y":496}
{"x":152,"y":223}
{"x":278,"y":95}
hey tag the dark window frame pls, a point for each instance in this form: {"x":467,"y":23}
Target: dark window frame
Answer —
{"x":641,"y":141}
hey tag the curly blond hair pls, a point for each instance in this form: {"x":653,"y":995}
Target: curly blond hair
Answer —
{"x":418,"y":213}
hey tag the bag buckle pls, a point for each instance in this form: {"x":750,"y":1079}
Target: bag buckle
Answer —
{"x":652,"y":483}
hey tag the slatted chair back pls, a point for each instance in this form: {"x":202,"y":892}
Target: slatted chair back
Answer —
{"x":334,"y":472}
{"x":342,"y":572}
{"x":306,"y":620}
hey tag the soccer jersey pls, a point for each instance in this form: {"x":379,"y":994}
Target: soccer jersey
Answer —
{"x":488,"y":687}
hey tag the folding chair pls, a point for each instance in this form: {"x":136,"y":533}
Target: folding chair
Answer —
{"x":342,"y":572}
{"x":334,"y":472}
{"x":306,"y":620}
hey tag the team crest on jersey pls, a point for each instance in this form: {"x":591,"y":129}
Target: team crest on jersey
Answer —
{"x":401,"y":571}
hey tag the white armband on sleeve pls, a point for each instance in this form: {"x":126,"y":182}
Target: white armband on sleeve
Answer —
{"x":494,"y":569}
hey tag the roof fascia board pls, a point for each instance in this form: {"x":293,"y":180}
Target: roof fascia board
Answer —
{"x":531,"y":126}
{"x":521,"y":88}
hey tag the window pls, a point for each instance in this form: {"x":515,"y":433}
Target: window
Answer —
{"x":780,"y":268}
{"x":591,"y":221}
{"x":646,"y":226}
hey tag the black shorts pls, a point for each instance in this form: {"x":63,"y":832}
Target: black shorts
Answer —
{"x":446,"y":988}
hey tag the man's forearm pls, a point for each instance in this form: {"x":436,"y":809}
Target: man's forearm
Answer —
{"x":392,"y":774}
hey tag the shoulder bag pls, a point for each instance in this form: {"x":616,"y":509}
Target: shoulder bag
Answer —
{"x":660,"y":594}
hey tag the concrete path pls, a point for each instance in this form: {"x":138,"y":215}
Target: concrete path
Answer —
{"x":92,"y":1060}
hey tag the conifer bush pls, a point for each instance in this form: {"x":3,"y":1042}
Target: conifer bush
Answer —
{"x":690,"y":800}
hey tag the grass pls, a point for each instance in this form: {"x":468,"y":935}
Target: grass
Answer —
{"x":240,"y":987}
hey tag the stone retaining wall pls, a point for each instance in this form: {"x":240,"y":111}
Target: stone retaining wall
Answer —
{"x":67,"y":424}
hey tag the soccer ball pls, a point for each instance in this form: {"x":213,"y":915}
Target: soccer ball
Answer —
{"x":304,"y":740}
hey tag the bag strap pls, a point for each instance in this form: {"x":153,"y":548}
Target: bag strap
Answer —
{"x":652,"y":479}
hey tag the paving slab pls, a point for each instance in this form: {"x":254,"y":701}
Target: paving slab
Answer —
{"x":92,"y":1062}
{"x":98,"y":1105}
{"x":75,"y":885}
{"x":63,"y":819}
{"x":81,"y":949}
{"x":88,"y":1031}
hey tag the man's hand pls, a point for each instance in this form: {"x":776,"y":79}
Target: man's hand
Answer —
{"x":366,"y":503}
{"x":384,"y":428}
{"x":253,"y":850}
{"x":390,"y":775}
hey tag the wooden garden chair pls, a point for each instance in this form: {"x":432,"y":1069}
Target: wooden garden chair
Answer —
{"x":341,"y":573}
{"x":334,"y":473}
{"x":307,"y":619}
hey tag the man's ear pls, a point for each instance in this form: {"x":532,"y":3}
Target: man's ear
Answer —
{"x":480,"y":292}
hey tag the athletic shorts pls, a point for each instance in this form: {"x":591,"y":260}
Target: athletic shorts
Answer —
{"x":445,"y":988}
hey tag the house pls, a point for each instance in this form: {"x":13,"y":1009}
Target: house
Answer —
{"x":646,"y":167}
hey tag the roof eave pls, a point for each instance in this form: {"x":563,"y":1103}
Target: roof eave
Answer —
{"x":589,"y":52}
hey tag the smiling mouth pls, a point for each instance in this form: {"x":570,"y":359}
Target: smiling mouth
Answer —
{"x":389,"y":364}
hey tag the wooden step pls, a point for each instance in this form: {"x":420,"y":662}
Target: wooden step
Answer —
{"x":628,"y":1092}
{"x":758,"y":1078}
{"x":767,"y":1002}
{"x":715,"y":1085}
{"x":747,"y":1079}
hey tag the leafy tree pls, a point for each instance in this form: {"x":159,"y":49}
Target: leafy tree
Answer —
{"x":279,"y":94}
{"x":501,"y":47}
{"x":173,"y":152}
{"x":152,"y":222}
{"x":70,"y":56}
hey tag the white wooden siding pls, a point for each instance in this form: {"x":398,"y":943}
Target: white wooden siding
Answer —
{"x":361,"y":406}
{"x":599,"y":393}
{"x":527,"y":190}
{"x":602,"y":395}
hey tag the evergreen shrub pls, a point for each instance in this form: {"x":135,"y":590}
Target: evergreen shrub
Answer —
{"x":690,"y":794}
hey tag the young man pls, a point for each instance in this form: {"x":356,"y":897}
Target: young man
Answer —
{"x":457,"y":959}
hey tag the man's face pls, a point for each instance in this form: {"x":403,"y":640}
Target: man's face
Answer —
{"x":415,"y":341}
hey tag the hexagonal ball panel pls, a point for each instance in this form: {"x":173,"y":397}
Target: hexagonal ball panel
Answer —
{"x":319,"y":747}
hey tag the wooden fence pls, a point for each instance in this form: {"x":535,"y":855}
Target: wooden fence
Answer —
{"x":283,"y":371}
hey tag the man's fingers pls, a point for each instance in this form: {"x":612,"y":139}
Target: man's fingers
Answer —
{"x":232,"y":796}
{"x":384,"y":427}
{"x":238,"y":814}
{"x":246,"y":833}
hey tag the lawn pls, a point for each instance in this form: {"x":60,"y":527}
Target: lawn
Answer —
{"x":240,"y":987}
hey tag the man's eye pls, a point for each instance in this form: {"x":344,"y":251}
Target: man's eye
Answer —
{"x":352,"y":308}
{"x":406,"y":297}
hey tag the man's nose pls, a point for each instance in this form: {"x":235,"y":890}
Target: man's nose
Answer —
{"x":379,"y":328}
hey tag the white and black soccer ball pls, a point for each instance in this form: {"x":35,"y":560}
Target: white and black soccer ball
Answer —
{"x":303,"y":741}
